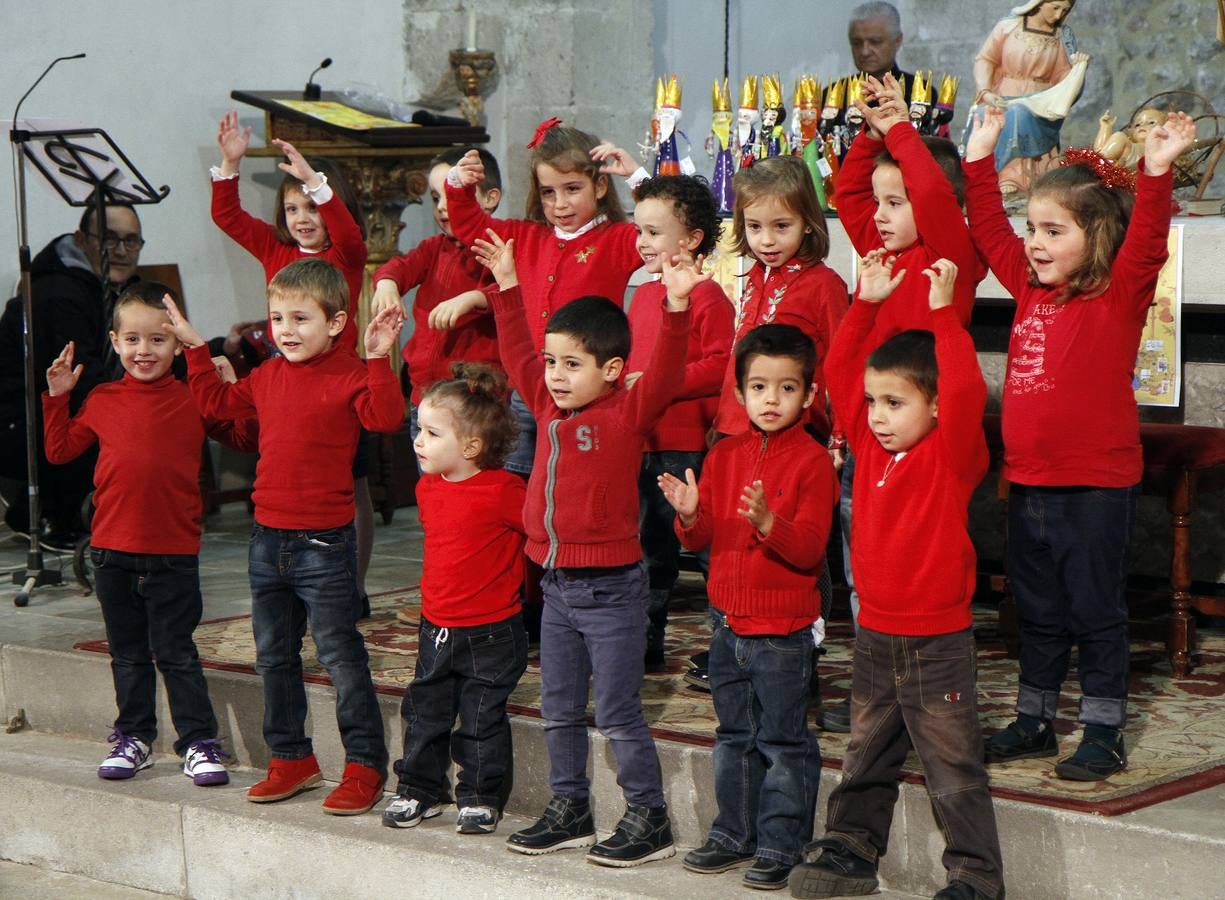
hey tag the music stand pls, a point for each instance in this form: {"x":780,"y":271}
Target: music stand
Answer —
{"x":86,"y":168}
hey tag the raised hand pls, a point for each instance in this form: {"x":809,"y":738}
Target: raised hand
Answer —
{"x":943,"y":275}
{"x":179,"y":326}
{"x":470,"y":170}
{"x":1167,"y":142}
{"x":753,"y":507}
{"x":681,"y":274}
{"x":681,"y":495}
{"x":876,"y":278}
{"x":498,"y":257}
{"x":614,"y":161}
{"x":988,"y":124}
{"x":382,"y":332}
{"x":232,"y":141}
{"x":62,"y":377}
{"x":297,"y":166}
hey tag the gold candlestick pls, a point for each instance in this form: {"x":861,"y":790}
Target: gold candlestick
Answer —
{"x":476,"y":75}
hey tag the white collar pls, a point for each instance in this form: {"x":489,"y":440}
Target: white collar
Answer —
{"x":571,"y":235}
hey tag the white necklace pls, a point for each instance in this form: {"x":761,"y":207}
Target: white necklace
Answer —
{"x":897,"y":458}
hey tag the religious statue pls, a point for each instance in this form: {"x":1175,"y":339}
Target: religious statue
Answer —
{"x":667,"y":160}
{"x":1124,"y":148}
{"x":946,"y":100}
{"x":718,"y":146}
{"x":747,"y":121}
{"x":806,"y":100}
{"x":773,"y":136}
{"x":853,"y":117}
{"x":831,"y":110}
{"x":921,"y":102}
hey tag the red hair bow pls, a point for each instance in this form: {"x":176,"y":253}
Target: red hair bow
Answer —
{"x":1107,"y":172}
{"x":540,"y":131}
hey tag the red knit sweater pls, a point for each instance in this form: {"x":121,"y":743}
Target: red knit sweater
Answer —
{"x":684,"y":425}
{"x":147,"y":481}
{"x":809,"y":296}
{"x":473,"y":568}
{"x":440,"y":268}
{"x":347,"y":250}
{"x":553,"y":271}
{"x":910,"y":549}
{"x":1069,"y":412}
{"x":582,"y":499}
{"x":310,"y":415}
{"x":765,"y":585}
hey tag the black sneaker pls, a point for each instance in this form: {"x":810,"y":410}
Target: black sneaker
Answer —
{"x":766,"y":875}
{"x":698,"y":677}
{"x":835,"y":718}
{"x":712,"y":858}
{"x":1101,"y":754}
{"x":403,"y":811}
{"x":566,"y":824}
{"x":959,"y":890}
{"x":477,"y":820}
{"x":837,"y":872}
{"x":1018,"y":742}
{"x":643,"y":835}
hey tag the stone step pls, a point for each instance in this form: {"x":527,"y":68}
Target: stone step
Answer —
{"x":34,"y":883}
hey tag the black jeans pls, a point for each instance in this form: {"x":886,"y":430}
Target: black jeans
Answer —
{"x":920,"y":692}
{"x":465,"y":673}
{"x":151,"y":605}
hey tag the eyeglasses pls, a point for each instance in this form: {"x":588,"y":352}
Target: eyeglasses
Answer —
{"x":130,"y":242}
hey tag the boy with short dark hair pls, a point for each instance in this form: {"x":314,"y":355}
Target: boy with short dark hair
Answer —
{"x":581,"y":518}
{"x":913,"y":411}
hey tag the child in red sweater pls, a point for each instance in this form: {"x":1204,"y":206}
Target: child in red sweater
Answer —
{"x":763,"y":507}
{"x":146,"y":531}
{"x":312,"y":402}
{"x":913,"y":410}
{"x":581,"y":518}
{"x":675,"y":216}
{"x":472,"y":647}
{"x":1083,"y":279}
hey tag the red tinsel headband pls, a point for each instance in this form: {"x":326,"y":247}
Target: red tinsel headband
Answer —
{"x":1107,"y":172}
{"x":540,"y":131}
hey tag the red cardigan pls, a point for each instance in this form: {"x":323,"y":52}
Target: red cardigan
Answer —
{"x":582,"y":498}
{"x":473,"y":568}
{"x":347,"y":250}
{"x":553,"y":271}
{"x":440,"y":268}
{"x":809,"y":296}
{"x":910,"y":548}
{"x":690,"y":416}
{"x":310,"y":416}
{"x":147,"y":481}
{"x":1069,"y":412}
{"x":765,"y":585}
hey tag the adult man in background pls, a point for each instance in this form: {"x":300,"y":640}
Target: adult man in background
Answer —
{"x":875,"y":35}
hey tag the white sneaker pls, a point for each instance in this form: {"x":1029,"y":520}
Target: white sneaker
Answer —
{"x":127,"y":757}
{"x":405,"y":812}
{"x":203,"y":763}
{"x":477,"y":820}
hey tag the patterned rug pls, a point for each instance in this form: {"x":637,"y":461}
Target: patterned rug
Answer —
{"x":1175,"y":731}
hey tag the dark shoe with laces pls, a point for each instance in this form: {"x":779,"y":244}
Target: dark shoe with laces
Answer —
{"x":1018,"y":741}
{"x":1101,"y":754}
{"x":712,"y":858}
{"x":698,"y":677}
{"x":766,"y":875}
{"x":835,"y":718}
{"x":836,"y":872}
{"x":566,"y":824}
{"x":959,"y":890}
{"x":643,"y":835}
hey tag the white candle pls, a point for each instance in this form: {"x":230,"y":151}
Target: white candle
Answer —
{"x":471,"y":44}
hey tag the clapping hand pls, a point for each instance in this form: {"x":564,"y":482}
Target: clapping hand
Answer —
{"x":681,"y":274}
{"x":753,"y":507}
{"x":682,"y":495}
{"x":943,"y":274}
{"x":876,"y":278}
{"x":382,"y":332}
{"x":62,"y":377}
{"x":498,"y":257}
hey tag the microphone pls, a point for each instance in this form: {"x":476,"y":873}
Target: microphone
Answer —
{"x":20,"y":134}
{"x":424,"y":117}
{"x":312,"y":90}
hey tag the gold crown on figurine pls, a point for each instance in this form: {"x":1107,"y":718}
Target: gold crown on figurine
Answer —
{"x":854,"y":90}
{"x":659,"y":92}
{"x":836,"y":95}
{"x":922,"y":90}
{"x":720,"y":98}
{"x":771,"y":91}
{"x":806,"y":92}
{"x":748,"y":92}
{"x":672,"y":92}
{"x":948,"y":90}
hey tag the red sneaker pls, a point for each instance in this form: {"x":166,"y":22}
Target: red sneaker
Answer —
{"x":359,"y":789}
{"x":285,"y":778}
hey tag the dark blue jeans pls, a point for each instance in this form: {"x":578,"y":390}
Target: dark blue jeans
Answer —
{"x":594,"y":628}
{"x":301,"y":577}
{"x":767,"y":762}
{"x":151,"y":605}
{"x":465,"y":673}
{"x":524,"y":453}
{"x":1067,"y":564}
{"x":847,"y":479}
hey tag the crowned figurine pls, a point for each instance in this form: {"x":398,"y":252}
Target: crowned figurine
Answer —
{"x":773,"y":136}
{"x":853,"y":117}
{"x":718,"y":145}
{"x":747,"y":121}
{"x":946,"y":101}
{"x":667,"y":160}
{"x":831,"y":111}
{"x":807,"y":112}
{"x":921,"y":101}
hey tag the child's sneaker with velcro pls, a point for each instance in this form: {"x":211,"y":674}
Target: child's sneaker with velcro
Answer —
{"x":405,"y":812}
{"x":477,"y":820}
{"x":127,"y":757}
{"x":203,"y":763}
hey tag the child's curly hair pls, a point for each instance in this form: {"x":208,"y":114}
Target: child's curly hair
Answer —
{"x":476,"y":395}
{"x":569,"y":150}
{"x":692,"y":202}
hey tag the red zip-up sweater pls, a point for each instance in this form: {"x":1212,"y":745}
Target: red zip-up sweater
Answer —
{"x":147,"y":481}
{"x":910,"y":548}
{"x":765,"y":585}
{"x":347,"y":250}
{"x":310,"y":415}
{"x":440,"y":268}
{"x":938,"y":219}
{"x":553,"y":271}
{"x":684,"y":425}
{"x":582,"y":499}
{"x":1069,"y":413}
{"x":473,"y":567}
{"x":809,"y":296}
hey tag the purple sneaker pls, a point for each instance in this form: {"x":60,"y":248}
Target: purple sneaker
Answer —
{"x":203,"y":763}
{"x":127,"y":757}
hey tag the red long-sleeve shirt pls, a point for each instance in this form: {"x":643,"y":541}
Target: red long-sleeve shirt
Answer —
{"x":440,"y":268}
{"x":347,"y":250}
{"x":310,"y":416}
{"x":473,"y":567}
{"x":765,"y":585}
{"x":553,"y":271}
{"x":147,"y":481}
{"x":582,"y":499}
{"x":684,"y":425}
{"x":809,"y":296}
{"x":911,"y":553}
{"x":1069,"y":413}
